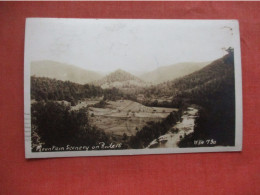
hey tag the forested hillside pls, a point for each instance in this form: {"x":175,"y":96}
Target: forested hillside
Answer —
{"x":54,"y":124}
{"x":122,"y":80}
{"x":196,"y":83}
{"x":51,"y":89}
{"x":207,"y":84}
{"x":212,"y":88}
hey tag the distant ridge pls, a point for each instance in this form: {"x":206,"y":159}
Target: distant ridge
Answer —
{"x":62,"y":71}
{"x":168,"y":73}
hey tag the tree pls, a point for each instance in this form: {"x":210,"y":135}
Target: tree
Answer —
{"x":57,"y":125}
{"x":124,"y":137}
{"x":230,"y":50}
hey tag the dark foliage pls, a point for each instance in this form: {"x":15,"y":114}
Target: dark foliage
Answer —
{"x":112,"y":94}
{"x":216,"y":95}
{"x":212,"y":88}
{"x":56,"y":125}
{"x":51,"y":89}
{"x":100,"y":104}
{"x":153,"y":130}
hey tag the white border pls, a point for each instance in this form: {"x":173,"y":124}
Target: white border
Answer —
{"x":239,"y":117}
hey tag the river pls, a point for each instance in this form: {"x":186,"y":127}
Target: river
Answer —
{"x":178,"y":131}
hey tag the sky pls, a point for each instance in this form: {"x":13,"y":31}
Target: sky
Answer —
{"x":134,"y":45}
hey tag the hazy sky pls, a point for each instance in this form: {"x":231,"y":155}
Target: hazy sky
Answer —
{"x":132,"y":45}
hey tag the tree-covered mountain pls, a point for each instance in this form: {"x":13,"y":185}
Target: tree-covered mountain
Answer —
{"x":119,"y":76}
{"x":51,"y":89}
{"x":208,"y":83}
{"x":198,"y":84}
{"x":212,"y":90}
{"x":62,"y":71}
{"x":122,"y":80}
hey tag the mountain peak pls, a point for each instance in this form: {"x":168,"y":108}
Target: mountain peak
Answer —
{"x":122,"y":72}
{"x":119,"y":70}
{"x":120,"y":75}
{"x":120,"y":79}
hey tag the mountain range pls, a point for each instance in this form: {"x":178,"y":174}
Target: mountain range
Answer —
{"x":63,"y":72}
{"x":167,"y":73}
{"x":118,"y":78}
{"x":211,"y":89}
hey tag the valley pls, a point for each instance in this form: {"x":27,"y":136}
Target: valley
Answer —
{"x":123,"y":108}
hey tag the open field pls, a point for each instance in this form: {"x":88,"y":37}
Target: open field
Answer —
{"x":121,"y":116}
{"x":125,"y":116}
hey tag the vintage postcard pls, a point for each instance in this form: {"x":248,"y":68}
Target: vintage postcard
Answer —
{"x":95,"y":87}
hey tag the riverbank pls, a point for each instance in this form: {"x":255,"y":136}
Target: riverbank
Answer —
{"x":178,"y":131}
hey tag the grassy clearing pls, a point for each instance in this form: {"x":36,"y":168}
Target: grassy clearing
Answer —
{"x":125,"y":116}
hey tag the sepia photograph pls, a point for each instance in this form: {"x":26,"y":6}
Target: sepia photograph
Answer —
{"x":96,"y":87}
